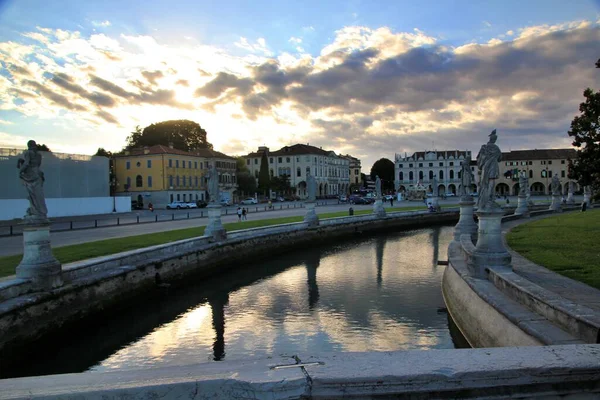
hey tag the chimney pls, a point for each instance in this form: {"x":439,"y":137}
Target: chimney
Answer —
{"x":171,"y":145}
{"x":146,"y":150}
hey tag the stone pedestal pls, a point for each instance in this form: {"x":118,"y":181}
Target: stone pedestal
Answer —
{"x":215,"y":227}
{"x":555,"y":206}
{"x":586,"y":198}
{"x":466,"y":224}
{"x":522,"y":207}
{"x":39,"y":264}
{"x":311,"y":217}
{"x":378,"y":209}
{"x":570,"y":199}
{"x":490,"y":250}
{"x":435,"y":202}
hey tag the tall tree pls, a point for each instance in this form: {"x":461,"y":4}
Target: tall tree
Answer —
{"x":43,"y":147}
{"x":264,"y":178}
{"x":246,"y":182}
{"x":385,"y":169}
{"x":281,"y":184}
{"x":182,"y":134}
{"x":585,"y":131}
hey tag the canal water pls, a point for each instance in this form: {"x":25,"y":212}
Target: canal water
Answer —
{"x":366,"y":293}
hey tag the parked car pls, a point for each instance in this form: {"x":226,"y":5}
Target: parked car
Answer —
{"x":279,"y":199}
{"x":387,"y":197}
{"x":249,"y":200}
{"x":225,"y":202}
{"x":360,"y":200}
{"x":201,"y":203}
{"x":191,"y":204}
{"x":450,"y":194}
{"x":177,"y":205}
{"x":343,"y":198}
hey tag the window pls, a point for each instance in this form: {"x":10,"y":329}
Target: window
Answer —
{"x":400,"y":166}
{"x":297,"y":159}
{"x":451,"y":164}
{"x":298,"y":172}
{"x":271,"y":172}
{"x":355,"y":172}
{"x":279,"y":160}
{"x":451,"y":174}
{"x":138,"y":164}
{"x":430,"y":175}
{"x":184,"y":180}
{"x":170,"y":163}
{"x":441,"y":174}
{"x":543,"y":173}
{"x":196,"y":182}
{"x":128,"y":183}
{"x":549,"y":162}
{"x":183,"y":164}
{"x":315,"y":160}
{"x":287,"y":159}
{"x":176,"y":163}
{"x":190,"y":166}
{"x":177,"y":181}
{"x":128,"y":165}
{"x":562,"y":161}
{"x":195,"y":164}
{"x":410,"y":175}
{"x":307,"y":171}
{"x":270,"y":160}
{"x":149,"y":163}
{"x":531,"y":173}
{"x":170,"y":180}
{"x":431,"y":164}
{"x":185,"y":197}
{"x":409,"y":165}
{"x":543,"y":162}
{"x":171,"y":196}
{"x":401,"y":176}
{"x":139,"y":182}
{"x":420,"y":175}
{"x":149,"y":181}
{"x":247,"y":162}
{"x":441,"y":164}
{"x":256,"y":174}
{"x":562,"y":173}
{"x":178,"y":197}
{"x":420,"y":165}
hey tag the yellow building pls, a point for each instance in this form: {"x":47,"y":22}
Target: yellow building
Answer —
{"x":161,"y":174}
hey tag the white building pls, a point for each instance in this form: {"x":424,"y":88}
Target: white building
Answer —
{"x":332,"y":172}
{"x":422,"y":166}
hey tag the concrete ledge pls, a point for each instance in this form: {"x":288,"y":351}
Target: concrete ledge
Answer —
{"x":534,"y":372}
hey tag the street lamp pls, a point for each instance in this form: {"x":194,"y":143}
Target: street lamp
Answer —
{"x":113,"y":186}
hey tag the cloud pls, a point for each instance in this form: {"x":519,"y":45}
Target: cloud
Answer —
{"x":3,"y":122}
{"x":487,"y":24}
{"x":102,"y":24}
{"x":259,"y":47}
{"x":152,"y":76}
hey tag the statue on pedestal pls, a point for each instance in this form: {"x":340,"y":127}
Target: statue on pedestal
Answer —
{"x":434,"y":187}
{"x":555,"y":185}
{"x":377,"y":187}
{"x":311,"y":187}
{"x":213,"y":185}
{"x":33,"y":180}
{"x":487,"y":161}
{"x":466,"y":177}
{"x":523,"y":184}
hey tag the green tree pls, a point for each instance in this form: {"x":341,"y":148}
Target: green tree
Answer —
{"x":585,"y":131}
{"x":385,"y":169}
{"x":281,"y":184}
{"x":182,"y":134}
{"x":264,"y":178}
{"x":43,"y":147}
{"x":246,"y":182}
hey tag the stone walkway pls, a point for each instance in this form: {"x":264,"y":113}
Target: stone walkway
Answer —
{"x":567,"y":288}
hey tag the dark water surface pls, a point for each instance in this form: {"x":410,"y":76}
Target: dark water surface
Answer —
{"x":367,"y":293}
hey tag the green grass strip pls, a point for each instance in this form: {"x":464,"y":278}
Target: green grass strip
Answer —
{"x":77,"y":252}
{"x":565,"y":243}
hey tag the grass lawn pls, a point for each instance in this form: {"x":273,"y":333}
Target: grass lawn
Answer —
{"x":566,"y":244}
{"x":76,"y":252}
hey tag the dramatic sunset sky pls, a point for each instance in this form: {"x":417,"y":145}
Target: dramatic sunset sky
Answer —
{"x":369,"y":78}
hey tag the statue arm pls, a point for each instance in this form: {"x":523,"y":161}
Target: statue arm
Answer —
{"x":26,"y":161}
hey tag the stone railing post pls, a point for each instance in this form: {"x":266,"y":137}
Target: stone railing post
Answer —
{"x":378,"y":209}
{"x":522,"y":207}
{"x":215,"y":227}
{"x":466,"y":224}
{"x":555,"y":206}
{"x":39,"y":264}
{"x":490,"y":250}
{"x":311,"y":217}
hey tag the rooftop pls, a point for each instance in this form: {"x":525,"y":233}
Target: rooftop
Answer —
{"x":160,"y":149}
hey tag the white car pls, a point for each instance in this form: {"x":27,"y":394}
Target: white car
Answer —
{"x":177,"y":205}
{"x":249,"y":200}
{"x":192,"y":204}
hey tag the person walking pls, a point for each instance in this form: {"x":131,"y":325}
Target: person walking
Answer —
{"x":392,"y":201}
{"x":244,"y":212}
{"x":239,"y":213}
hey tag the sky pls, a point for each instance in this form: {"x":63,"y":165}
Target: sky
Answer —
{"x":366,"y":78}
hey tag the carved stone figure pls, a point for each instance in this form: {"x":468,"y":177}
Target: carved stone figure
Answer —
{"x":377,"y":187}
{"x":434,"y":187}
{"x":311,"y":187}
{"x":487,"y":160}
{"x":33,"y":180}
{"x":466,"y":177}
{"x":213,"y":185}
{"x":555,"y":185}
{"x":523,"y":184}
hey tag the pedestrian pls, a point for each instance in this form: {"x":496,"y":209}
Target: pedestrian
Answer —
{"x":244,"y":212}
{"x":151,"y":207}
{"x":270,"y":204}
{"x":391,"y":201}
{"x":239,"y":213}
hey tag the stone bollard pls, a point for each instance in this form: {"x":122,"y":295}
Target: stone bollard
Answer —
{"x":490,"y":250}
{"x":215,"y":227}
{"x":522,"y":207}
{"x":39,"y":264}
{"x":556,"y":201}
{"x":311,"y":217}
{"x":587,"y":195}
{"x":378,"y":209}
{"x":466,"y":224}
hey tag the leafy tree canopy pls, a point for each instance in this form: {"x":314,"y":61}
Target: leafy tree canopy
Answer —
{"x":183,"y":134}
{"x":43,"y":147}
{"x":103,"y":153}
{"x":585,"y":131}
{"x":385,"y":169}
{"x":281,"y":184}
{"x":246,"y":182}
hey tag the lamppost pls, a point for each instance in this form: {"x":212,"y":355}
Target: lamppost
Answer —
{"x":113,"y":187}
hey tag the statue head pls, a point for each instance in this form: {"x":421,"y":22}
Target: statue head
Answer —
{"x":493,"y":136}
{"x":32,"y":145}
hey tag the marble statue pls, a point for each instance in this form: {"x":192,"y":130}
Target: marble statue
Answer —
{"x":311,"y":187}
{"x":487,"y":161}
{"x":434,"y":187}
{"x":33,"y":180}
{"x":213,"y":185}
{"x":555,"y":185}
{"x":466,"y":177}
{"x":523,"y":184}
{"x":377,"y":187}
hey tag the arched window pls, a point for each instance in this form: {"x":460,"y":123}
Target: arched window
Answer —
{"x":441,"y":174}
{"x":401,"y":176}
{"x":451,"y":174}
{"x":430,"y":175}
{"x":410,"y":175}
{"x":298,"y":171}
{"x":531,"y":173}
{"x":420,"y":175}
{"x":139,"y":182}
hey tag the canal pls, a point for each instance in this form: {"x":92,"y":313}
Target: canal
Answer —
{"x":365,"y":293}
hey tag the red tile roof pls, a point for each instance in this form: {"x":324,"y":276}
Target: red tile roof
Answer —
{"x":541,"y":154}
{"x":160,"y":149}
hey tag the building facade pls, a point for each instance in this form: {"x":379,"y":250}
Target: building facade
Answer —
{"x":421,"y":168}
{"x":354,"y":165}
{"x":540,"y":166}
{"x":332,"y":172}
{"x":161,"y":174}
